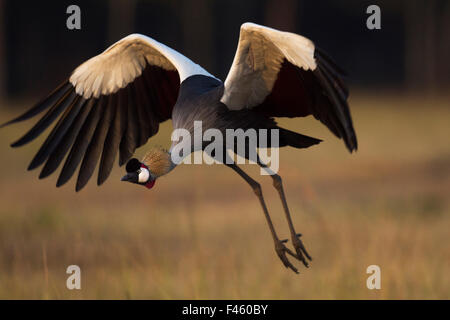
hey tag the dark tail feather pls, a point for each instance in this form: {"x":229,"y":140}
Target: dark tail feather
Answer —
{"x":296,"y":140}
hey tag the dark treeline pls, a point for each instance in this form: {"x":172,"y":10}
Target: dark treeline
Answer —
{"x":410,"y":52}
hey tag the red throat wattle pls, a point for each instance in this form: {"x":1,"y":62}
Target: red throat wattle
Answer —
{"x":150,"y":184}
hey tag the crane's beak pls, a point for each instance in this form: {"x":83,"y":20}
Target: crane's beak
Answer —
{"x":131,"y":177}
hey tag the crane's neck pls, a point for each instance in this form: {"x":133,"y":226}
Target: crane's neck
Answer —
{"x":159,"y":162}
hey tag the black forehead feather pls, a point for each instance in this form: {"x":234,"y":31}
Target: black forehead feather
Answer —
{"x":133,"y":165}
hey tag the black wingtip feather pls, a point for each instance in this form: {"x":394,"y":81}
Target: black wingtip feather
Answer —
{"x":81,"y":143}
{"x":112,"y":141}
{"x":296,"y":140}
{"x":78,"y":187}
{"x":47,"y":119}
{"x":341,"y":108}
{"x":94,"y":150}
{"x":57,"y":133}
{"x":322,"y":54}
{"x":56,"y":157}
{"x":7,"y":124}
{"x":130,"y":138}
{"x":334,"y":78}
{"x":140,"y":109}
{"x":43,"y":104}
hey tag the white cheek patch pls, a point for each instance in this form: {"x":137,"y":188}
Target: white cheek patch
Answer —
{"x":144,"y":175}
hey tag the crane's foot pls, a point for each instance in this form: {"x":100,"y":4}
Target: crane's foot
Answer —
{"x":300,"y":250}
{"x":281,"y":250}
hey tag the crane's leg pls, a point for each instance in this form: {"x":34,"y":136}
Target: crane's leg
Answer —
{"x":296,"y":242}
{"x":280,"y":247}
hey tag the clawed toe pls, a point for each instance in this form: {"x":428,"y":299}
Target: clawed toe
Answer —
{"x":300,"y":252}
{"x":281,"y":250}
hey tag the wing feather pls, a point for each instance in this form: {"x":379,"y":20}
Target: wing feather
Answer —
{"x":282,"y":74}
{"x":81,"y":143}
{"x":94,"y":150}
{"x":112,"y":103}
{"x":47,"y":119}
{"x":112,"y":143}
{"x":44,"y":104}
{"x":64,"y":145}
{"x":130,"y":139}
{"x":57,"y":133}
{"x":150,"y":117}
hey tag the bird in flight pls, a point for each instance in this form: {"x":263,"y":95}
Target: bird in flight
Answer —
{"x":114,"y":102}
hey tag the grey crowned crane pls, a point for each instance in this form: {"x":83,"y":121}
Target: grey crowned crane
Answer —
{"x":114,"y":102}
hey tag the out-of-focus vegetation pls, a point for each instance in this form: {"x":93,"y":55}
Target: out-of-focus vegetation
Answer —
{"x":200,"y":233}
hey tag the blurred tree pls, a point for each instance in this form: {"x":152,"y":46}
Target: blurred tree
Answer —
{"x":197,"y":28}
{"x":121,"y":19}
{"x":410,"y":50}
{"x":228,"y":17}
{"x":3,"y":64}
{"x":282,"y":14}
{"x":443,"y":62}
{"x":422,"y":43}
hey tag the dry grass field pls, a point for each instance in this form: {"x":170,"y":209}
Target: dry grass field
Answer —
{"x":201,"y":234}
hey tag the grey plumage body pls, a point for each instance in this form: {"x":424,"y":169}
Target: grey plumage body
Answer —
{"x":199,"y":100}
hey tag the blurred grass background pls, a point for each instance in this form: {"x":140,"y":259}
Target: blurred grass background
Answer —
{"x":201,"y":234}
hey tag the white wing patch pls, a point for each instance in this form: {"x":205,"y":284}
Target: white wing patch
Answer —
{"x":124,"y":61}
{"x":260,"y":54}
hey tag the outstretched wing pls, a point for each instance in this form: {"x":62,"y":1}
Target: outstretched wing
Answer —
{"x":112,"y":103}
{"x":283,"y":74}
